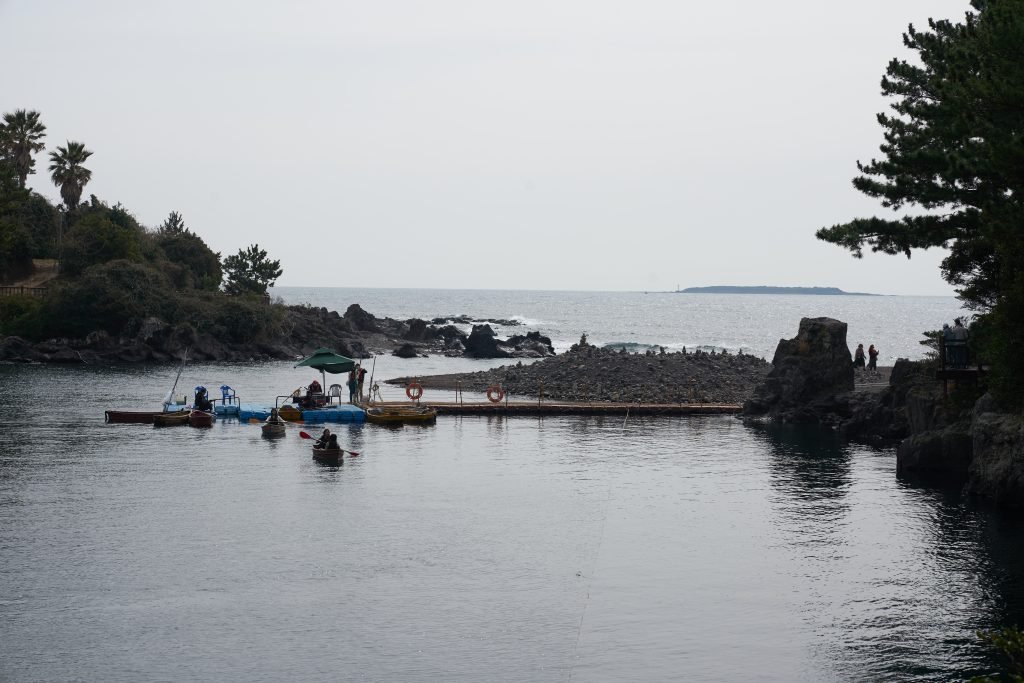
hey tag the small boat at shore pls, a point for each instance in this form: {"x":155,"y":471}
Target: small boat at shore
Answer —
{"x":273,"y":429}
{"x":329,"y":456}
{"x":200,"y":418}
{"x":401,"y":415}
{"x":138,"y":417}
{"x":174,"y":419}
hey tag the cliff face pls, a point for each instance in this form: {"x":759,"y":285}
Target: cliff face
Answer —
{"x":997,"y":468}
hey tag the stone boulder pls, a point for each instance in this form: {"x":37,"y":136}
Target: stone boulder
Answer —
{"x":360,"y":319}
{"x":418,"y":331}
{"x":17,"y":349}
{"x":406,"y":351}
{"x":813,"y":367}
{"x":482,"y":343}
{"x":531,"y":345}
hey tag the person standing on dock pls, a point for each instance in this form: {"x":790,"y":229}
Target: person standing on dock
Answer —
{"x":360,"y":378}
{"x":353,"y":384}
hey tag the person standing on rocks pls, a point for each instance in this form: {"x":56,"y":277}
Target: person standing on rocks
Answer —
{"x":858,"y":357}
{"x":872,"y":358}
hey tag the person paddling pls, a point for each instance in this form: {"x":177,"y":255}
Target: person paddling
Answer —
{"x":325,"y":439}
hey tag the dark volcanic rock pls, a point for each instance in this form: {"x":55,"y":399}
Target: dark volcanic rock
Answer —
{"x":483,"y":344}
{"x":406,"y":351}
{"x":360,"y":319}
{"x":814,"y":366}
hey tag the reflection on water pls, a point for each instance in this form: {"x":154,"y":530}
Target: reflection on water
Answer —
{"x":536,"y":549}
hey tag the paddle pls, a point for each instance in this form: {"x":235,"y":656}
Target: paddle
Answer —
{"x":305,"y":435}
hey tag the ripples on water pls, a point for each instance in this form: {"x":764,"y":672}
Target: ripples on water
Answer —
{"x":551,"y":549}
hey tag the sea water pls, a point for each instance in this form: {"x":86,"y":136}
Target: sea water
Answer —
{"x":520,"y":549}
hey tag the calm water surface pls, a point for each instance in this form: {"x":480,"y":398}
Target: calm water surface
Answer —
{"x":556,"y":549}
{"x":559,"y":549}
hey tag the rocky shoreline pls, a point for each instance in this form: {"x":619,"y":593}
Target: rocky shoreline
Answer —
{"x":589,"y":373}
{"x":962,"y":439}
{"x":302,"y":329}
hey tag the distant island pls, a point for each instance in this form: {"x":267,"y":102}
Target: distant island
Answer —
{"x":730,"y":289}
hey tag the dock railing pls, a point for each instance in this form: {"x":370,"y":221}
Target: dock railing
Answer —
{"x":23,"y":291}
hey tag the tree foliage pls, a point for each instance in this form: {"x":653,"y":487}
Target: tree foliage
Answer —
{"x":174,"y":224}
{"x":97,"y":239}
{"x":68,"y":173}
{"x":21,"y":135}
{"x":190,"y":262}
{"x":954,"y":150}
{"x":1008,"y":642}
{"x":250,"y":271}
{"x":114,"y":272}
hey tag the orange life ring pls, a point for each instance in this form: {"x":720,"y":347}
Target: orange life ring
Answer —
{"x":495,"y":393}
{"x":414,"y":390}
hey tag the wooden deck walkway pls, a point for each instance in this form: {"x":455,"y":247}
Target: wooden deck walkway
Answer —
{"x":533,"y":408}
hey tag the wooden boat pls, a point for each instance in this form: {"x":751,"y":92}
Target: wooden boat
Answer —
{"x":271,"y":429}
{"x":290,"y":413}
{"x":139,"y":417}
{"x":331,"y":456}
{"x":200,"y":418}
{"x":179,"y":417}
{"x":401,"y":414}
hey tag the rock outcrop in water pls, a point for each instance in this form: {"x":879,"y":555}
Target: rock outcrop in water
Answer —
{"x":589,"y":373}
{"x":301,"y":330}
{"x":807,"y":373}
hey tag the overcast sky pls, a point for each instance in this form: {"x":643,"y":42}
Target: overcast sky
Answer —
{"x":520,"y":145}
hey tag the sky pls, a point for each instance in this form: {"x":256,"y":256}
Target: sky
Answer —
{"x":565,"y":144}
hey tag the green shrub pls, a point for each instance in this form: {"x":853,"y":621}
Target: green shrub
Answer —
{"x":94,"y":240}
{"x":19,"y":315}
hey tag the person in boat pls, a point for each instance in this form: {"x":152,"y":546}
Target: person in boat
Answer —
{"x":332,"y":443}
{"x":274,"y":417}
{"x":324,"y":439}
{"x":202,"y":400}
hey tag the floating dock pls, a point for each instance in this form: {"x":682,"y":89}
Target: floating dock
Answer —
{"x":513,"y":408}
{"x":342,"y":413}
{"x":351,"y":413}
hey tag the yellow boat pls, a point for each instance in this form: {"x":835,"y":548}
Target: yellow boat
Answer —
{"x":290,"y":413}
{"x":401,"y":414}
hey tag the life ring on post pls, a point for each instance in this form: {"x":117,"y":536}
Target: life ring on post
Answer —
{"x":414,"y":390}
{"x":495,"y":393}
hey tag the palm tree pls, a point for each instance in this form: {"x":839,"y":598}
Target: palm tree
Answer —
{"x":22,"y":133}
{"x":68,"y":174}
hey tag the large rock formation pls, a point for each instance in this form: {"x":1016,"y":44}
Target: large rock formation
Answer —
{"x":808,"y":372}
{"x":997,"y":467}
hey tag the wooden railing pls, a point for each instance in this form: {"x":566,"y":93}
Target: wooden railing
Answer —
{"x":30,"y":291}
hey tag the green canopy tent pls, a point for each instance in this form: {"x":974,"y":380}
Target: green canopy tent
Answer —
{"x":326,"y":361}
